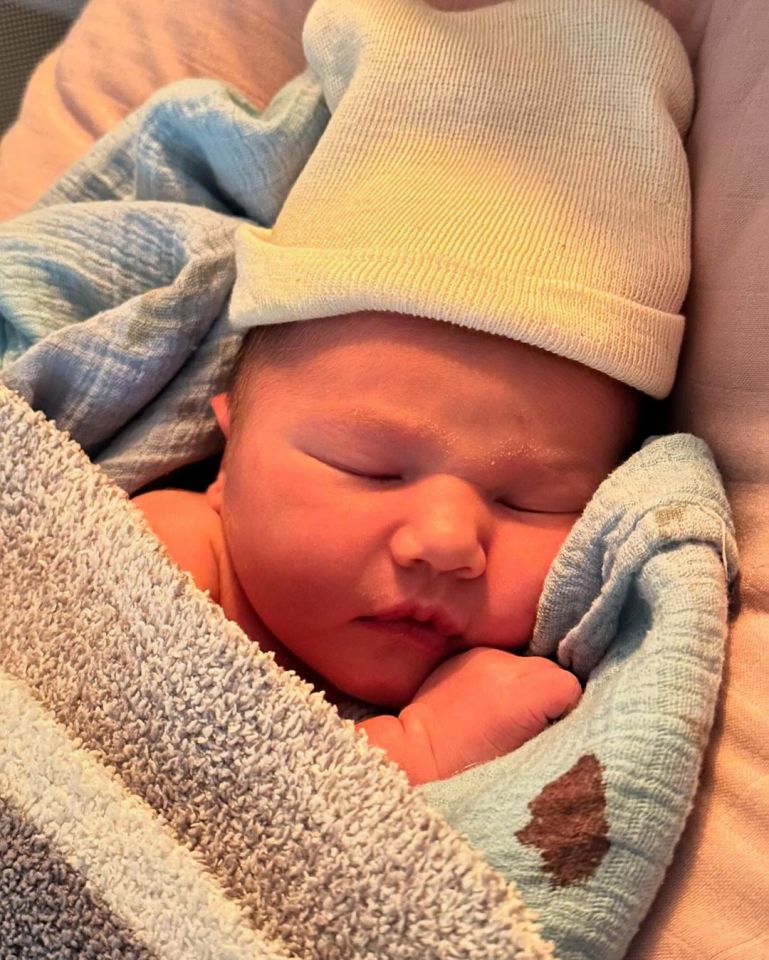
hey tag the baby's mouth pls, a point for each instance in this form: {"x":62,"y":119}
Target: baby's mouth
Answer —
{"x":427,"y":624}
{"x":426,"y":615}
{"x":422,"y":633}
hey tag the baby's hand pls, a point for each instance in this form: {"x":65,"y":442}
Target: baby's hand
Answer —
{"x":484,"y":703}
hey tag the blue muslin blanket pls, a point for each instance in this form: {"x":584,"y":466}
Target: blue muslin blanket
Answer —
{"x":165,"y":789}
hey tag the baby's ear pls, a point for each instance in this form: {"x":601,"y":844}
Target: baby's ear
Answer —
{"x":220,"y":404}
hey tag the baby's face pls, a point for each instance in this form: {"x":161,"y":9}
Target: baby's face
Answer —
{"x":404,"y":460}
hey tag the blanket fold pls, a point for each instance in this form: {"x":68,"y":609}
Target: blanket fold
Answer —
{"x":165,"y":789}
{"x":114,"y":290}
{"x":629,"y":604}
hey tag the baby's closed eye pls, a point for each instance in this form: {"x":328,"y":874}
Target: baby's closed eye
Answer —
{"x":541,"y":500}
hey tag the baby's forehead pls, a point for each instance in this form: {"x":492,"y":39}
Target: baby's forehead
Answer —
{"x":382,"y":375}
{"x":423,"y":355}
{"x":371,"y":330}
{"x":348,"y":356}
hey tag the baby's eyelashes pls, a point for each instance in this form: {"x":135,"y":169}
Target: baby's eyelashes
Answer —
{"x":505,"y":504}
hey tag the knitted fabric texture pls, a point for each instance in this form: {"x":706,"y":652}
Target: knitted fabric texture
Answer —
{"x":516,"y":169}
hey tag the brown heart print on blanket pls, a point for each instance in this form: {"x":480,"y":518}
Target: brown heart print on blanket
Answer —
{"x":568,"y":823}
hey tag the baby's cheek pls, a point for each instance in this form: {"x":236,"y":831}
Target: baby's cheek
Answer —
{"x":517,"y":578}
{"x":545,"y":545}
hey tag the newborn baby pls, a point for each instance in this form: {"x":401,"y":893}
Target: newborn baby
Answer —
{"x":377,"y":462}
{"x":463,"y":295}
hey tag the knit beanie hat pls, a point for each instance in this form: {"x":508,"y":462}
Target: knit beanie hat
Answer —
{"x":516,"y":169}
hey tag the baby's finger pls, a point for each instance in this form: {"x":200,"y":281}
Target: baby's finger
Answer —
{"x":560,"y":694}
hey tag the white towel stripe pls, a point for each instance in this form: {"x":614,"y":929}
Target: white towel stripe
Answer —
{"x":116,"y":841}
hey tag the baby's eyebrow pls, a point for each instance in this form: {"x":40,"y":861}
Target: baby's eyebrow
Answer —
{"x":399,"y":429}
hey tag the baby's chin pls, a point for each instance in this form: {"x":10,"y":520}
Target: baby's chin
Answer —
{"x":391,"y":693}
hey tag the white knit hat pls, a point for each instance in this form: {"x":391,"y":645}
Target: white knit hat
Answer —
{"x":516,"y":169}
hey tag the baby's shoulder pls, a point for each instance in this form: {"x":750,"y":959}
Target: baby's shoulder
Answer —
{"x":175,"y":506}
{"x":190,"y":530}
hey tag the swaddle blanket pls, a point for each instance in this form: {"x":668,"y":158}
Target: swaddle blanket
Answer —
{"x":165,"y":789}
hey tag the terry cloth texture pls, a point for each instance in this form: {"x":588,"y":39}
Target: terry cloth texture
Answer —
{"x":516,"y":169}
{"x":167,"y":791}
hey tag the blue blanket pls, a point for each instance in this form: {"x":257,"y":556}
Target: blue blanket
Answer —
{"x":255,"y":821}
{"x":114,"y":312}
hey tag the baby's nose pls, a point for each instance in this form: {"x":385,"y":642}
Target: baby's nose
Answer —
{"x":447,"y":527}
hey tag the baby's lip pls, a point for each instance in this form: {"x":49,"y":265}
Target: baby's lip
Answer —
{"x":438,"y":618}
